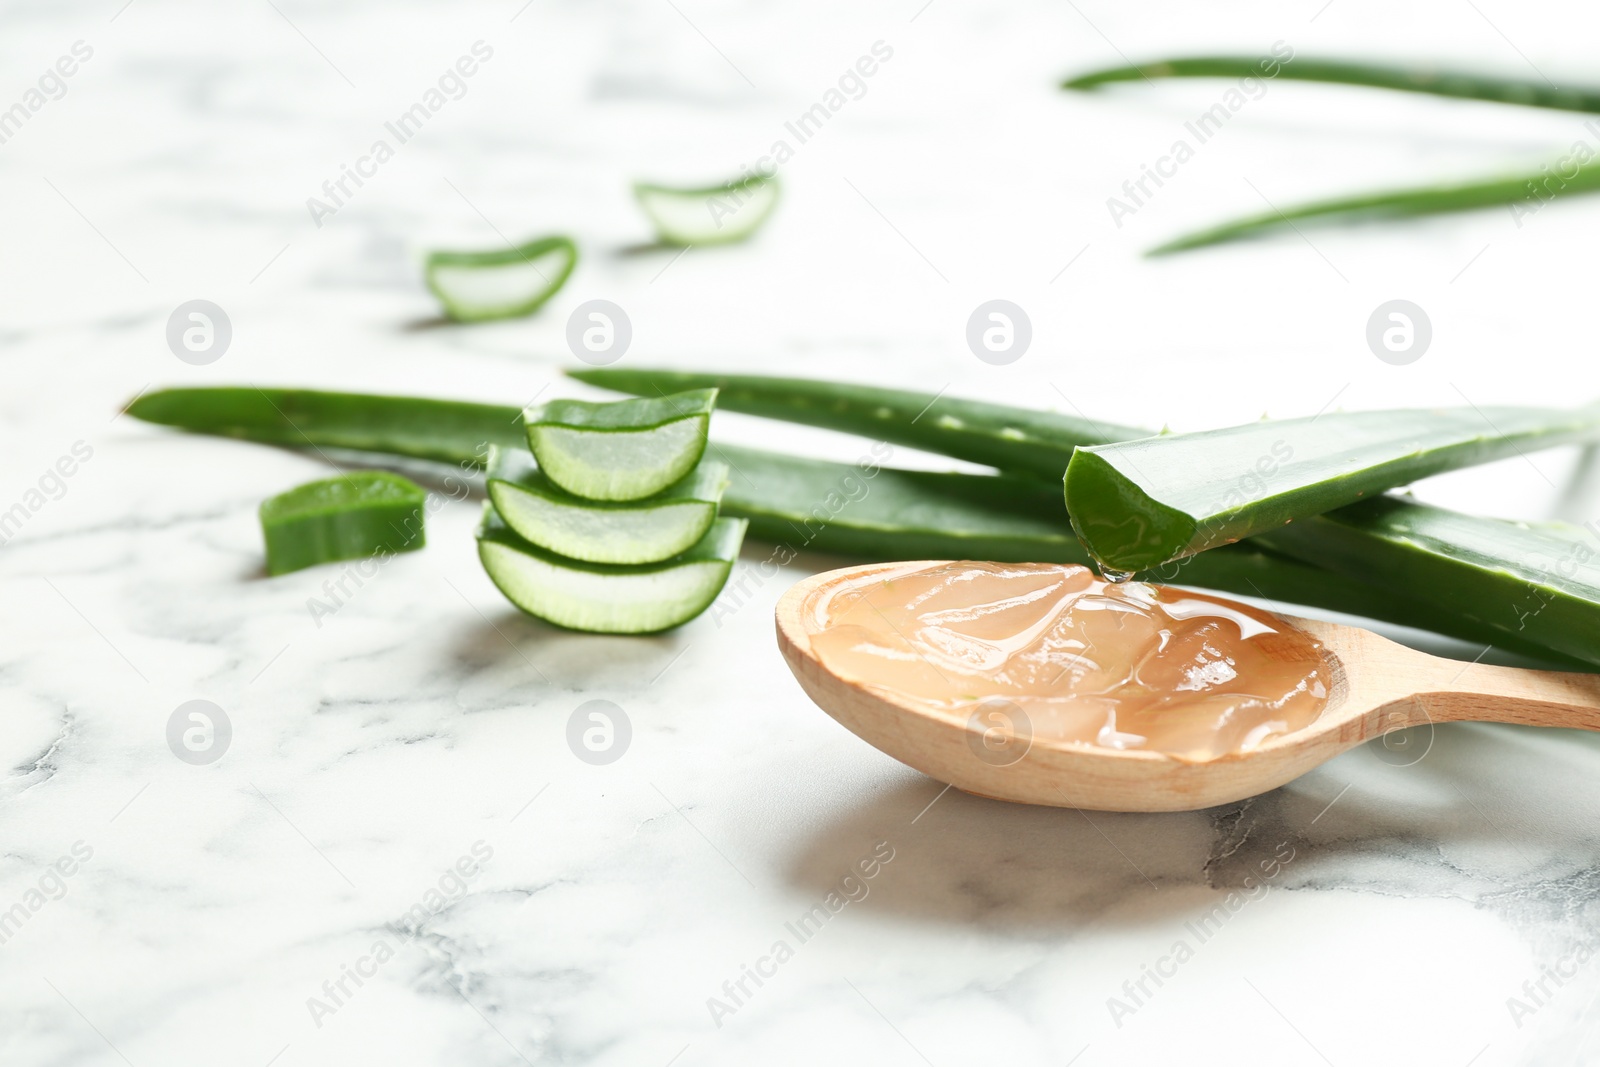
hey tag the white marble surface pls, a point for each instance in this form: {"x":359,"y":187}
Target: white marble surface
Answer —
{"x":1409,"y":898}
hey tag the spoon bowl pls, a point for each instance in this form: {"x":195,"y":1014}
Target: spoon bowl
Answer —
{"x":1378,"y":687}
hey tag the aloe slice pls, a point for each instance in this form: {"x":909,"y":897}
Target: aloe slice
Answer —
{"x":503,"y":283}
{"x":716,"y":215}
{"x":622,"y":449}
{"x":604,"y":598}
{"x":353,"y":516}
{"x":643,"y":531}
{"x":1020,"y":440}
{"x":1141,"y":503}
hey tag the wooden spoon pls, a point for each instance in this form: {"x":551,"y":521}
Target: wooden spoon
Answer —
{"x":1379,"y":687}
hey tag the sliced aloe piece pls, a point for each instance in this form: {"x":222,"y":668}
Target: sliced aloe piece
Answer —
{"x":604,"y":598}
{"x":621,"y":450}
{"x":717,"y":215}
{"x":641,"y":531}
{"x":353,"y":516}
{"x":1021,"y":440}
{"x":1525,"y":582}
{"x":1141,"y":503}
{"x":503,"y":283}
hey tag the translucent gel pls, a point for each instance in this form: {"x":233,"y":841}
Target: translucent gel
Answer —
{"x":1125,"y":666}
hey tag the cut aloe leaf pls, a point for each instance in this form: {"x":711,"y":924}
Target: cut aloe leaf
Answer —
{"x":1142,"y":503}
{"x":503,"y":283}
{"x":641,"y":531}
{"x":622,"y":450}
{"x":1524,"y":582}
{"x":353,"y":516}
{"x":1020,"y":440}
{"x":889,"y":514}
{"x":603,"y":598}
{"x":717,"y":215}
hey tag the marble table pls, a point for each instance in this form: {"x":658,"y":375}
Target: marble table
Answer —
{"x":396,"y":857}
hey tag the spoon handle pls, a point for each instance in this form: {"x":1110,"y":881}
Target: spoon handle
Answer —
{"x":1484,"y":693}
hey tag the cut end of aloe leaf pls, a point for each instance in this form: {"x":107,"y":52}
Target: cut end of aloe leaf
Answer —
{"x":718,"y":214}
{"x":632,"y":532}
{"x":353,"y":516}
{"x":1179,"y":494}
{"x":622,"y":450}
{"x":1120,"y":526}
{"x":503,"y":283}
{"x":602,"y":598}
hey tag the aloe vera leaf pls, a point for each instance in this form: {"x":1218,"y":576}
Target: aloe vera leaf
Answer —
{"x":1461,"y":84}
{"x":605,"y":598}
{"x":447,"y":431}
{"x":1535,"y":189}
{"x":1141,"y":503}
{"x":502,"y":283}
{"x":1527,"y":582}
{"x":875,"y":513}
{"x":989,"y":530}
{"x":1014,"y":439}
{"x":620,"y":449}
{"x":353,"y":516}
{"x":642,"y":531}
{"x":780,"y":509}
{"x":714,"y":215}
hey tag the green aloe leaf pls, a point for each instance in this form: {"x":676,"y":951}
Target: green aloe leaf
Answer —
{"x":1517,"y":580}
{"x":448,"y":431}
{"x":1141,"y":503}
{"x":714,"y":215}
{"x":1462,"y":84}
{"x":866,"y":511}
{"x":1524,"y":194}
{"x":1020,"y":440}
{"x":353,"y":516}
{"x":501,"y":283}
{"x":806,"y":504}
